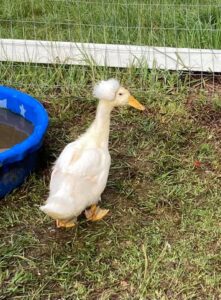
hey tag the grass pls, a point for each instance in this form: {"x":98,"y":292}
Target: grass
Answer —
{"x":174,"y":23}
{"x":161,"y":239}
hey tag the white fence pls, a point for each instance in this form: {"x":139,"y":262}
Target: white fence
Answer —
{"x":172,"y":35}
{"x":168,"y":58}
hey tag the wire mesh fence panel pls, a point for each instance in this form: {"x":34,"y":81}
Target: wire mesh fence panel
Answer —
{"x":178,"y":24}
{"x":187,"y":24}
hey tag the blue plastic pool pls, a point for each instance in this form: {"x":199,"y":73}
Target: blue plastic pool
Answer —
{"x":20,"y":160}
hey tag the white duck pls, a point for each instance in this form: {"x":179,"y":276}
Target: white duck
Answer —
{"x":80,"y":173}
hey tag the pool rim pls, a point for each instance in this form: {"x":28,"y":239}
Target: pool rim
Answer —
{"x":34,"y":141}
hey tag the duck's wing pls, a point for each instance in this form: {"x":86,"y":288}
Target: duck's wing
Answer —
{"x":68,"y":157}
{"x":82,"y":166}
{"x":74,"y":159}
{"x":78,"y":179}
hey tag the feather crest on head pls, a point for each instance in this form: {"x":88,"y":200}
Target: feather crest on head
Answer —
{"x":106,"y":89}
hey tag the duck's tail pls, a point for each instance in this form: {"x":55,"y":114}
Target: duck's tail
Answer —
{"x":53,"y":209}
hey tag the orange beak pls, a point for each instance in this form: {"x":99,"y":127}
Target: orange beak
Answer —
{"x":134,"y":103}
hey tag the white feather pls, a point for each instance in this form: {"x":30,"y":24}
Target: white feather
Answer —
{"x":106,"y":89}
{"x":80,"y":173}
{"x":78,"y":180}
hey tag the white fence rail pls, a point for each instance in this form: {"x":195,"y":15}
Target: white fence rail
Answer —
{"x":49,"y":52}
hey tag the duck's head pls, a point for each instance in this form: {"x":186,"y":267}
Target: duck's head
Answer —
{"x":114,"y":94}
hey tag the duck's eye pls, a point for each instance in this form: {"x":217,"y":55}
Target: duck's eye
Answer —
{"x":120,"y":94}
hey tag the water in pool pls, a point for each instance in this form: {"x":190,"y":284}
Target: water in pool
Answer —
{"x":13,"y":129}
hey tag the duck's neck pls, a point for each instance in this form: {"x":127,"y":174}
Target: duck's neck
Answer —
{"x":100,"y":128}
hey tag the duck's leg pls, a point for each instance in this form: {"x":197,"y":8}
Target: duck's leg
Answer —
{"x":65,"y":224}
{"x":95,"y":213}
